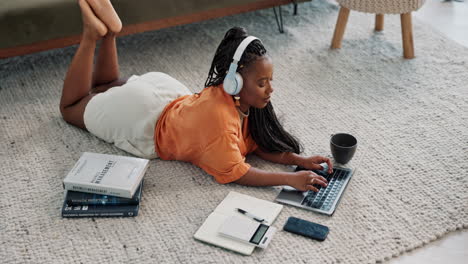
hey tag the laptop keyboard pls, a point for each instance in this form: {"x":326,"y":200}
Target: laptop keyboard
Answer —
{"x":326,"y":196}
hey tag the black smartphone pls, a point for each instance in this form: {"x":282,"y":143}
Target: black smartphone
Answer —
{"x":306,"y":228}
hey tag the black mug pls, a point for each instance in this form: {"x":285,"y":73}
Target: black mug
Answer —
{"x":342,"y":147}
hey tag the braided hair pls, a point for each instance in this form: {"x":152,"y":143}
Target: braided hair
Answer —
{"x":264,"y":126}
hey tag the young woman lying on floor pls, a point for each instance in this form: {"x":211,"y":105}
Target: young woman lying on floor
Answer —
{"x":154,"y":115}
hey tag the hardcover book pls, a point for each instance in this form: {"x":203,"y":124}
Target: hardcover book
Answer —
{"x":102,"y":210}
{"x":106,"y":174}
{"x":82,"y":198}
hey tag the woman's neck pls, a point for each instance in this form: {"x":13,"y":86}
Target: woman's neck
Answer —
{"x":246,"y":113}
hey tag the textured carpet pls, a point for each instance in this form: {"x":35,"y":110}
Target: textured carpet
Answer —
{"x":410,"y":117}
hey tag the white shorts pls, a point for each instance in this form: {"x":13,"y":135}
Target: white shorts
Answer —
{"x":126,"y":115}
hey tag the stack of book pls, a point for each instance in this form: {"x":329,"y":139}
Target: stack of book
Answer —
{"x":101,"y":185}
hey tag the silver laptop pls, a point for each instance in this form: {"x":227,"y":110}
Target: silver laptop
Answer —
{"x":326,"y":199}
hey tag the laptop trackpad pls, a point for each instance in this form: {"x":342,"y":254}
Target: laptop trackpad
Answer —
{"x":290,"y":195}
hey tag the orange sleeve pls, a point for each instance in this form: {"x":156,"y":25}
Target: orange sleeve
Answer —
{"x":223,"y":159}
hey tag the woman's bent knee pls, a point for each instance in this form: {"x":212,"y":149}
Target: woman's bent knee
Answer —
{"x":74,"y":114}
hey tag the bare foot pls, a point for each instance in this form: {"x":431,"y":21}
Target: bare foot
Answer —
{"x":92,"y":26}
{"x":106,"y":12}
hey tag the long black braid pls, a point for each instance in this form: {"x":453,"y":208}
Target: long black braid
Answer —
{"x":264,"y":126}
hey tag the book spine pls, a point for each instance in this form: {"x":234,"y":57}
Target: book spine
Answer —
{"x":101,"y":201}
{"x":97,"y":189}
{"x":98,"y":214}
{"x":69,"y":211}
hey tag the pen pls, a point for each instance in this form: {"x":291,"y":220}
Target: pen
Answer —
{"x":258,"y":219}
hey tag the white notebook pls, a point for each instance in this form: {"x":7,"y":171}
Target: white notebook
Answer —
{"x":208,"y":232}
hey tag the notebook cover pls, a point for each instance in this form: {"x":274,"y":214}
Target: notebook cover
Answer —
{"x":208,"y":232}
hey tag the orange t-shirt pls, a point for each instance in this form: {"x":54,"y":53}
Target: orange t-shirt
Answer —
{"x":205,"y":129}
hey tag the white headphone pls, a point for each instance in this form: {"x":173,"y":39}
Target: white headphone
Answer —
{"x":233,"y":81}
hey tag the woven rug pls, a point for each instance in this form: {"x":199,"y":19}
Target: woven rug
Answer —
{"x":410,"y":117}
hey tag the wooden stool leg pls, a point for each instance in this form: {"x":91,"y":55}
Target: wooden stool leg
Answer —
{"x":407,"y":35}
{"x":340,"y":28}
{"x":379,"y":22}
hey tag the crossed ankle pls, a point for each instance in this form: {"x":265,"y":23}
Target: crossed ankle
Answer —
{"x":107,"y":14}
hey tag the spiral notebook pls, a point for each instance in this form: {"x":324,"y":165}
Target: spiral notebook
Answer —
{"x":208,"y":232}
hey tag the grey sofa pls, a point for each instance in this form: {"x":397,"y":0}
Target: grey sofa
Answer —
{"x":28,"y":26}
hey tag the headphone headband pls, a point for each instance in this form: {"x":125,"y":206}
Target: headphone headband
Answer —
{"x":242,"y":46}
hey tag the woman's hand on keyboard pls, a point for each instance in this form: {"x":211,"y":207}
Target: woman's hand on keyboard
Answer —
{"x":304,"y":181}
{"x":313,"y":163}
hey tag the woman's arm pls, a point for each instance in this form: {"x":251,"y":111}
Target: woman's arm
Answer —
{"x":301,"y":180}
{"x":290,"y":158}
{"x":286,"y":158}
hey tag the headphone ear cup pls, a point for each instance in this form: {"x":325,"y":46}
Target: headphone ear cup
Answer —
{"x":240,"y":83}
{"x":230,"y":84}
{"x":233,"y":83}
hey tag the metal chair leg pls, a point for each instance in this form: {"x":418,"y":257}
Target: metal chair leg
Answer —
{"x":280,"y":21}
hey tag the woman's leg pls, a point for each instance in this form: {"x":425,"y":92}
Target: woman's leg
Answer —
{"x":78,"y":81}
{"x":107,"y":64}
{"x":106,"y":73}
